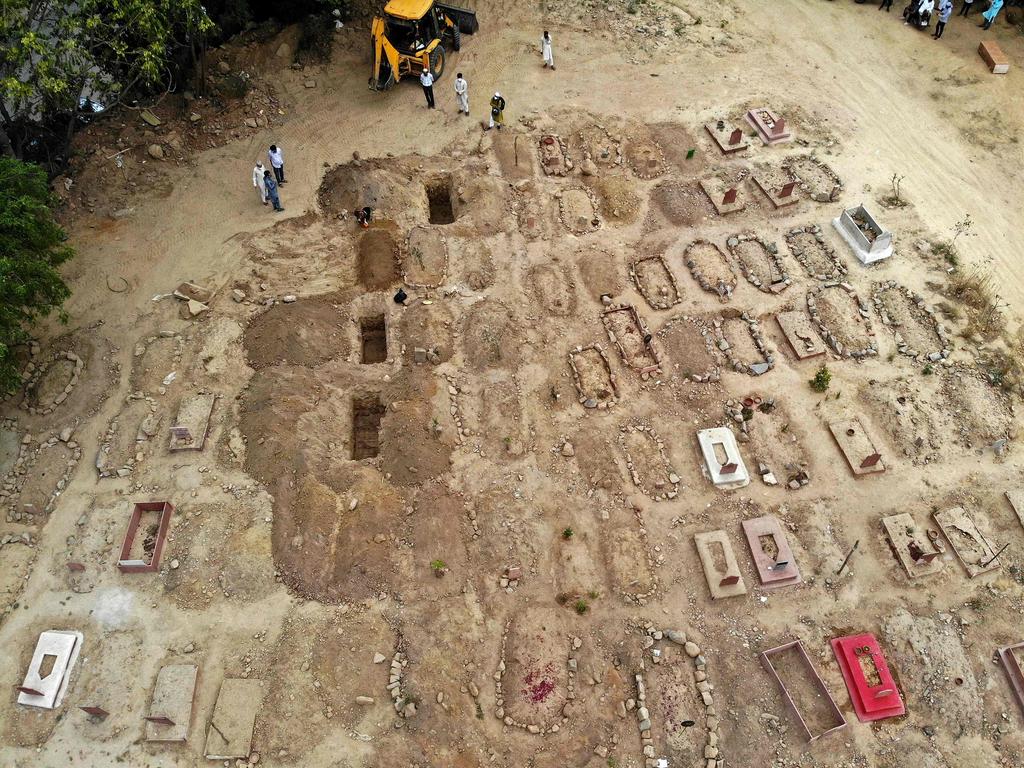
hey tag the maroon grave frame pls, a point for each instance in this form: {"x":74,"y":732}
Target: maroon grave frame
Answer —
{"x":126,"y":565}
{"x":1013,"y":671}
{"x":818,"y":682}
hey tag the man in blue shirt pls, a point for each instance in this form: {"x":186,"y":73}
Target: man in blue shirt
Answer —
{"x":945,"y":11}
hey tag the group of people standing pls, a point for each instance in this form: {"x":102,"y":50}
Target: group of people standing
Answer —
{"x":267,"y":185}
{"x":919,"y":13}
{"x":497,"y":102}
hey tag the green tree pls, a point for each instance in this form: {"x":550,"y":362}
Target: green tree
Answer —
{"x":32,"y":246}
{"x":55,"y":54}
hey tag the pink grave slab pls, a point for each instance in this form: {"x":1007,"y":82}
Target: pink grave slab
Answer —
{"x":870,"y":701}
{"x":777,"y":571}
{"x":770,"y":126}
{"x":1010,"y":658}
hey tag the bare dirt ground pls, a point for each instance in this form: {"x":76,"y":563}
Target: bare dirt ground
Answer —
{"x":407,"y":522}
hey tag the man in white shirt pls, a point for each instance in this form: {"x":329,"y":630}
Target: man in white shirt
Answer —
{"x":257,"y":181}
{"x":277,"y":162}
{"x":427,"y":81}
{"x":462,"y":94}
{"x":545,"y":49}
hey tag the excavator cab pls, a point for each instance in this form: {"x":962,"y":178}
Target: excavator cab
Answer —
{"x":414,"y":35}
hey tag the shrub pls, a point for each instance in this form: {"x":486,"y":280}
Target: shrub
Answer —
{"x":821,"y":379}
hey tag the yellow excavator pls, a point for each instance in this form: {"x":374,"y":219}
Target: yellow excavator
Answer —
{"x":414,"y":35}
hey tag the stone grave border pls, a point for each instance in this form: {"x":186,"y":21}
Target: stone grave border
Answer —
{"x":754,"y":328}
{"x":577,"y":382}
{"x":595,"y":223}
{"x":870,"y":350}
{"x":702,"y":281}
{"x":839,"y":269}
{"x":41,"y":371}
{"x":653,"y":301}
{"x":772,"y":252}
{"x":637,"y":425}
{"x":924,"y":313}
{"x":707,"y":332}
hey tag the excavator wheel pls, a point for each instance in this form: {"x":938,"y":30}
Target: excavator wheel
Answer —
{"x":456,"y":38}
{"x":437,"y":62}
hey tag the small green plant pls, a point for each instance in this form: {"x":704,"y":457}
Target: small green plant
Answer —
{"x":438,"y":567}
{"x":821,"y":379}
{"x":612,"y":763}
{"x":928,"y":370}
{"x":593,"y":594}
{"x":581,"y":606}
{"x":747,"y":413}
{"x":567,"y":533}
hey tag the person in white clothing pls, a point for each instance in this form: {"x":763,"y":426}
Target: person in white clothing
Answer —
{"x":462,"y":93}
{"x":257,"y":181}
{"x":427,"y":81}
{"x":545,"y":49}
{"x":277,"y":162}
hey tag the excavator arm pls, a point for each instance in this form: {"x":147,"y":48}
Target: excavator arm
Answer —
{"x":384,"y":73}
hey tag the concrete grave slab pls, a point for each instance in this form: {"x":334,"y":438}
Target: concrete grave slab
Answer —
{"x":234,"y":717}
{"x":909,"y":539}
{"x":192,"y":423}
{"x":803,"y":340}
{"x":1016,"y":499}
{"x":1010,"y":658}
{"x":139,"y":556}
{"x":727,"y":137}
{"x":722,"y":458}
{"x":727,"y":196}
{"x":972,"y":548}
{"x":170,"y":710}
{"x":776,"y":565}
{"x":856,"y":446}
{"x":818,"y":685}
{"x":779,"y":192}
{"x":770,"y":126}
{"x":49,"y":671}
{"x":720,"y":567}
{"x":869,"y":241}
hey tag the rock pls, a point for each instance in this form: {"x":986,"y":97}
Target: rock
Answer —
{"x":365,"y":701}
{"x":250,"y":122}
{"x":310,"y":83}
{"x":223,"y":67}
{"x":283,"y":51}
{"x":175,"y":564}
{"x":673,"y":478}
{"x":65,"y":434}
{"x":289,"y":299}
{"x":568,"y":450}
{"x":189,"y":648}
{"x":156,"y":151}
{"x":769,"y":478}
{"x":379,"y":658}
{"x":195,"y":292}
{"x":692,"y":649}
{"x":196,"y":308}
{"x":794,"y":485}
{"x":238,"y":295}
{"x":759,"y":368}
{"x":677,"y":637}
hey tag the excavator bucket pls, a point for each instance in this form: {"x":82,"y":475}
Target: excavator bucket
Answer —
{"x":464,"y":18}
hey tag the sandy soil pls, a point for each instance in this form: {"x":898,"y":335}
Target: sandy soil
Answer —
{"x":423,"y":483}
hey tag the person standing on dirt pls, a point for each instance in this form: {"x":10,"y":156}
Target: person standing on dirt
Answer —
{"x":277,"y":162}
{"x":990,"y":15}
{"x":257,"y":181}
{"x":886,"y":6}
{"x":462,"y":93}
{"x":271,"y":185}
{"x":945,"y":11}
{"x":427,"y":81}
{"x":967,"y":6}
{"x":545,"y":50}
{"x":497,"y":111}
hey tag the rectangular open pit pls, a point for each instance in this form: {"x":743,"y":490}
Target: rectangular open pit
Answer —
{"x":439,"y":200}
{"x":367,"y":412}
{"x":141,"y":554}
{"x":373,"y":336}
{"x":803,"y":689}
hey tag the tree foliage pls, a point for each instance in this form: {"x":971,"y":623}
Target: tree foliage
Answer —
{"x":55,"y":54}
{"x":32,"y":246}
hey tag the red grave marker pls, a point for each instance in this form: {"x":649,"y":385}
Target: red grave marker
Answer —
{"x":870,"y":702}
{"x":730,"y":196}
{"x":787,"y":189}
{"x":735,"y":137}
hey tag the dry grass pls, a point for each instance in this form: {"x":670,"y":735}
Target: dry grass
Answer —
{"x":976,"y":289}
